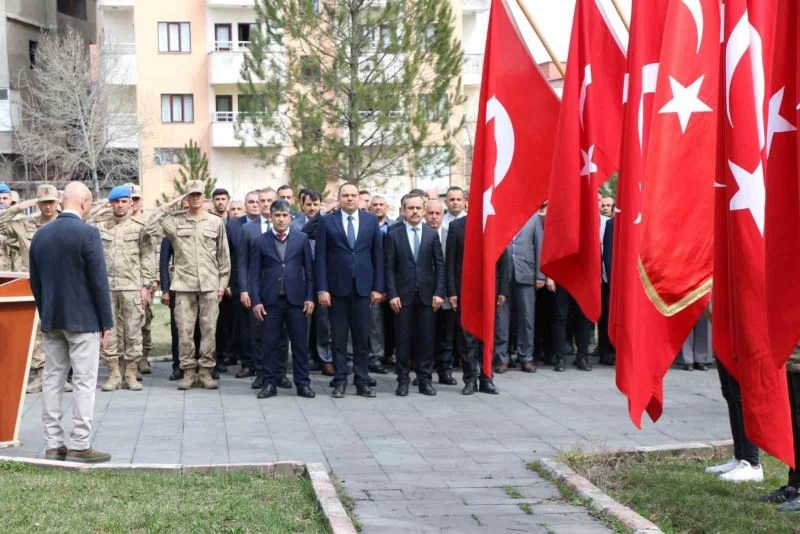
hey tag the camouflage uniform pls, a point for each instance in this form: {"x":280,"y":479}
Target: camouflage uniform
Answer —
{"x":201,"y":266}
{"x":154,"y":236}
{"x":129,"y":258}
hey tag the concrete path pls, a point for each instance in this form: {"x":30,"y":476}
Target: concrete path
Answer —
{"x":414,"y":464}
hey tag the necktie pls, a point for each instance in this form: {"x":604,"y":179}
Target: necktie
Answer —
{"x":281,"y":236}
{"x":351,"y":232}
{"x":416,"y":242}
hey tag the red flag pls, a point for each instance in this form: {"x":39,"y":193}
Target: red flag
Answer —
{"x":742,"y":338}
{"x":782,"y":214}
{"x":587,"y":153}
{"x":517,"y":118}
{"x":626,"y":321}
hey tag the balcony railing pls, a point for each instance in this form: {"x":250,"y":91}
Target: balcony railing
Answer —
{"x":229,"y":46}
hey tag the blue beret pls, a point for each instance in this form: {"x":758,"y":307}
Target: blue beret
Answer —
{"x":120,"y":191}
{"x":4,"y":188}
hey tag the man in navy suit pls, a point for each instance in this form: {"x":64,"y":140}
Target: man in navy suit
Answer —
{"x":415,"y":290}
{"x":70,"y":285}
{"x":282,"y":293}
{"x":349,"y":276}
{"x":604,"y":347}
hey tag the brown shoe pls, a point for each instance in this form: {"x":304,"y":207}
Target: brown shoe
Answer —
{"x":88,"y":456}
{"x":144,"y":366}
{"x":206,"y":380}
{"x":56,"y":454}
{"x":528,"y":367}
{"x":500,"y":368}
{"x":327,"y":369}
{"x":244,"y":372}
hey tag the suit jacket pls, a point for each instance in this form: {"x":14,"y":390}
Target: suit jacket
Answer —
{"x":234,"y":229}
{"x":404,"y":275}
{"x":608,"y":247}
{"x":250,"y":231}
{"x":456,"y":233}
{"x":337,"y":266}
{"x":526,"y":250}
{"x":163,"y":263}
{"x":68,"y":276}
{"x":443,"y":241}
{"x":267,"y":269}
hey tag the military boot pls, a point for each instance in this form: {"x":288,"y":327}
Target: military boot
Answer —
{"x":114,"y":377}
{"x":144,"y":366}
{"x":130,"y":378}
{"x":206,"y":380}
{"x":36,"y":384}
{"x":188,"y":380}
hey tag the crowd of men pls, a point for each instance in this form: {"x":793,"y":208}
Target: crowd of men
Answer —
{"x":344,"y":287}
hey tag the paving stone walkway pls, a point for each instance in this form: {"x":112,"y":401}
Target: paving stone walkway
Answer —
{"x":414,"y":464}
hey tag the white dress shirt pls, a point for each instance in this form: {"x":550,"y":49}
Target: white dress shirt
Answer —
{"x":345,"y":215}
{"x":448,"y":218}
{"x":265,"y":224}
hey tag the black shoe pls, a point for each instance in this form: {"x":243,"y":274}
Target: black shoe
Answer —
{"x":402,"y":389}
{"x":469,"y":388}
{"x":365,"y":391}
{"x":487,"y":386}
{"x":177,"y":374}
{"x":415,"y":382}
{"x":268,"y":391}
{"x":789,"y":506}
{"x":427,"y":389}
{"x":687,"y":367}
{"x":221,"y":368}
{"x":559,"y":367}
{"x":528,"y":367}
{"x":780,"y":495}
{"x":215,"y":373}
{"x":338,"y":391}
{"x":447,"y":379}
{"x":332,"y":383}
{"x":305,"y":391}
{"x":258,"y":383}
{"x":284,"y":383}
{"x":371,"y":382}
{"x":500,"y":368}
{"x":582,"y":363}
{"x":378,"y":369}
{"x":701,"y":366}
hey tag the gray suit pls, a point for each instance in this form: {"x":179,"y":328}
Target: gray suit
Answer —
{"x":524,"y":257}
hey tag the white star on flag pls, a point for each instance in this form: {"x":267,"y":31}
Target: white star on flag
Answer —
{"x":776,"y":123}
{"x":685,"y":101}
{"x":751,"y":194}
{"x":589,"y":167}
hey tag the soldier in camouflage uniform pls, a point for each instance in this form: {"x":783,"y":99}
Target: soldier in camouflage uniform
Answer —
{"x":6,"y":258}
{"x":129,"y":259}
{"x":19,"y":230}
{"x":202,"y":266}
{"x":138,"y":212}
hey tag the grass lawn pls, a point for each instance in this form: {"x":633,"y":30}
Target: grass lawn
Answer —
{"x":679,"y":497}
{"x":33,"y":500}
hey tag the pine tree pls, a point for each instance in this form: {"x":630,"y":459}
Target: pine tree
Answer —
{"x":193,"y":166}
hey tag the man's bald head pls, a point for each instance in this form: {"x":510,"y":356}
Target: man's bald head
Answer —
{"x":77,"y":197}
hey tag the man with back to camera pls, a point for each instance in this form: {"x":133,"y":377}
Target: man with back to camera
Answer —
{"x":349,"y":276}
{"x":281,"y":284}
{"x":69,"y":284}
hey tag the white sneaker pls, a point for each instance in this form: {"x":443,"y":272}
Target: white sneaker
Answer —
{"x":730,"y":465}
{"x":744,"y":473}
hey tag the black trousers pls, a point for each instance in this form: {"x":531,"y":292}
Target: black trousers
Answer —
{"x":445,"y":335}
{"x":414,"y":326}
{"x":226,"y":328}
{"x":563,"y":307}
{"x":259,"y":348}
{"x":604,"y":346}
{"x":470,"y":351}
{"x":743,"y":448}
{"x":281,"y":319}
{"x":388,"y":331}
{"x":243,"y":334}
{"x":350,"y":314}
{"x":794,"y":401}
{"x":173,"y":328}
{"x":543,"y":350}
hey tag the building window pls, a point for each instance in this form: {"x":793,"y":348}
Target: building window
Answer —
{"x":251,"y":104}
{"x":433,"y":110}
{"x":426,"y":36}
{"x":177,"y":108}
{"x":245,"y":32}
{"x":222,"y":37}
{"x":167,"y":156}
{"x":72,"y":8}
{"x":309,"y":69}
{"x":224,"y":108}
{"x":33,"y":46}
{"x":174,"y":37}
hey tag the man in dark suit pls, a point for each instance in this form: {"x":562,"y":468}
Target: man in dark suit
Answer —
{"x":69,"y":282}
{"x":283,"y":297}
{"x":242,"y":345}
{"x":604,"y":347}
{"x":349,"y":276}
{"x":470,"y":348}
{"x":415,"y":290}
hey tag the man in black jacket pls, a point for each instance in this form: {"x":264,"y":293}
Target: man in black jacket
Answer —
{"x":69,"y":283}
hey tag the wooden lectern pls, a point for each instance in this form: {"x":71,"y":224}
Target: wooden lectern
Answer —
{"x":18,"y":323}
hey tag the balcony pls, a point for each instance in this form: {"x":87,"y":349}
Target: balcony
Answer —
{"x":123,"y":131}
{"x":115,"y":4}
{"x":472,"y":71}
{"x":226,"y":59}
{"x":231,"y":130}
{"x":120,"y":63}
{"x":474,"y":6}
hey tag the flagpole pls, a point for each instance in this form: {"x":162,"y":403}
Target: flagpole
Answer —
{"x":621,"y":14}
{"x":559,"y":66}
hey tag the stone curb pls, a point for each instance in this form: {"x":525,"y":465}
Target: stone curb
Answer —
{"x":604,"y":503}
{"x":324,"y":490}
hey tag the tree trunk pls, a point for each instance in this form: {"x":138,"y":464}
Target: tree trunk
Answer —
{"x":95,"y":184}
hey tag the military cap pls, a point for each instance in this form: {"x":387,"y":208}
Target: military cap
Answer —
{"x":195,"y":186}
{"x":46,"y":193}
{"x":136,"y":191}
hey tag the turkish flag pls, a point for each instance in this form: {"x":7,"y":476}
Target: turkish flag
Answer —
{"x":741,"y":335}
{"x":587,"y":153}
{"x":782,"y":214}
{"x":631,"y":314}
{"x":517,"y":118}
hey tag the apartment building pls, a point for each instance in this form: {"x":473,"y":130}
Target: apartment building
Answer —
{"x":21,"y":27}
